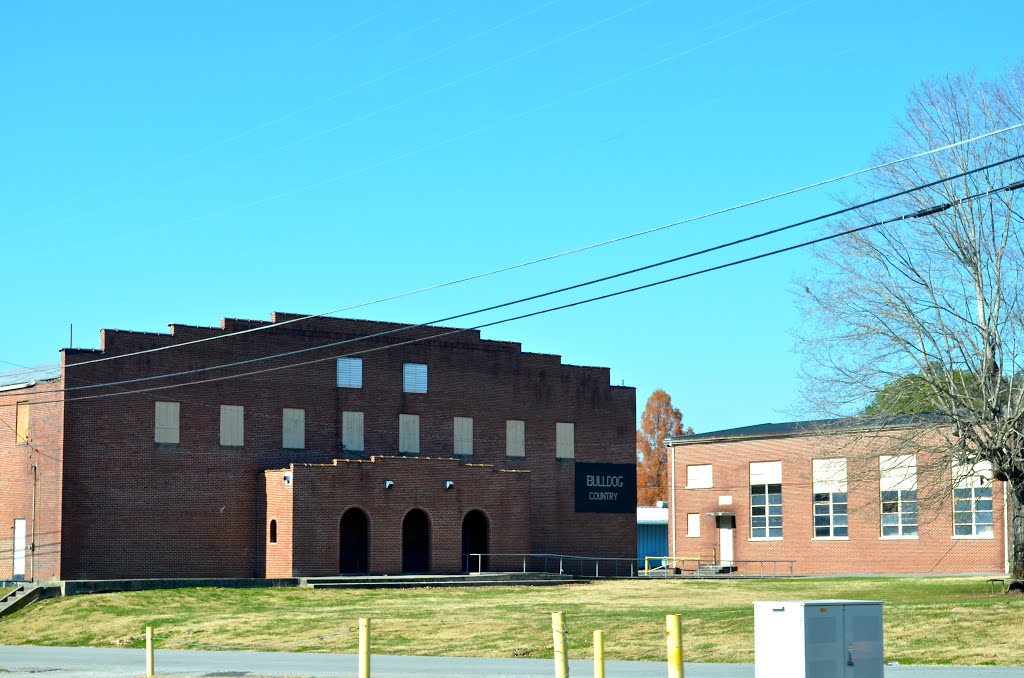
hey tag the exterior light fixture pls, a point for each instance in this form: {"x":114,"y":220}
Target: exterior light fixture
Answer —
{"x":449,"y":484}
{"x":388,"y":484}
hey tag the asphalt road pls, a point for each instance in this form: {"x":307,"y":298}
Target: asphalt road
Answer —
{"x":88,"y":662}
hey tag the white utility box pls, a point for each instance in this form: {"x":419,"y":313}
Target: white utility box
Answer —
{"x":818,"y":639}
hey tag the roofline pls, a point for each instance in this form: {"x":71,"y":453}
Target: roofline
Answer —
{"x":817,"y":427}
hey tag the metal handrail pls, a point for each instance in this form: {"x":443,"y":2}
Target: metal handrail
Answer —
{"x":735,"y":565}
{"x":616,"y":565}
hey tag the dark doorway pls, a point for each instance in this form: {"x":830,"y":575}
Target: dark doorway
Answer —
{"x":416,"y":542}
{"x":474,"y":540}
{"x":354,"y":542}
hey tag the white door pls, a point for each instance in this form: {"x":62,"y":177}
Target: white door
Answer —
{"x":19,"y":548}
{"x":725,"y":528}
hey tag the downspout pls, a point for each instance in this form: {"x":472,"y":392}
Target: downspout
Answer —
{"x":1006,"y":530}
{"x":32,"y":548}
{"x":672,"y":501}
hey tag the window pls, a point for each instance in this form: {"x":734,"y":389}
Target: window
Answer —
{"x":692,"y":524}
{"x":898,"y":484}
{"x":409,"y":434}
{"x":350,"y":372}
{"x":565,"y":441}
{"x":293,"y":429}
{"x":515,"y":438}
{"x":352,"y":432}
{"x":829,"y":498}
{"x":167,"y":418}
{"x":972,"y":500}
{"x":698,"y":476}
{"x":414,"y":378}
{"x":766,"y":500}
{"x":463,"y":436}
{"x":273,"y":531}
{"x":231,"y":425}
{"x":21,"y":423}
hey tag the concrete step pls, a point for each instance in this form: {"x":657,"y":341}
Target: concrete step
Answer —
{"x":26,"y":595}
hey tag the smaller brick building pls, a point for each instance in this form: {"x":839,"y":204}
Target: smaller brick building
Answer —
{"x":836,"y":496}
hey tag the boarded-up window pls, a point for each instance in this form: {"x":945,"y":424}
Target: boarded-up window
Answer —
{"x":565,"y":441}
{"x":409,"y":433}
{"x":692,"y":524}
{"x":899,"y":472}
{"x":764,"y":472}
{"x":293,"y":429}
{"x":829,"y":475}
{"x":515,"y":438}
{"x":21,"y":426}
{"x":698,"y":476}
{"x":352,"y":432}
{"x":350,"y":372}
{"x":167,"y":420}
{"x":463,"y":435}
{"x":232,"y":418}
{"x":414,"y":378}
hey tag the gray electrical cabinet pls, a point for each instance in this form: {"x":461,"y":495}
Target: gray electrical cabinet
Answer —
{"x":818,"y":639}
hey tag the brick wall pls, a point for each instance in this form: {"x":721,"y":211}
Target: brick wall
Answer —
{"x":32,"y":470}
{"x":935,"y":550}
{"x":134,"y":508}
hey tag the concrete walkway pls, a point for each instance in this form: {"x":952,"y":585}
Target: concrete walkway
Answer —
{"x":88,"y":662}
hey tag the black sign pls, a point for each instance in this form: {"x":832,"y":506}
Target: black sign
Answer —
{"x":605,"y":488}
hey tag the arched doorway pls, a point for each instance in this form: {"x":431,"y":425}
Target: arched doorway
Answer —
{"x":474,"y":540}
{"x":354,"y":542}
{"x":416,"y":542}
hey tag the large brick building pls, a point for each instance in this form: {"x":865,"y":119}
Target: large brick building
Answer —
{"x":309,"y":446}
{"x":836,"y":496}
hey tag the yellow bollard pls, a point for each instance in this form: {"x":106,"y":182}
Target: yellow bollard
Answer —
{"x":150,"y":667}
{"x":674,"y":634}
{"x":561,"y":658}
{"x":598,"y":654}
{"x":364,"y":648}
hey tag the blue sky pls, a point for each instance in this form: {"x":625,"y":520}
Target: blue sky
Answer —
{"x":180,"y":162}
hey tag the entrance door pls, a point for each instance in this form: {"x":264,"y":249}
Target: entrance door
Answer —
{"x":19,"y":549}
{"x":416,"y":542}
{"x":474,"y":540}
{"x":354,"y":540}
{"x":725,"y":529}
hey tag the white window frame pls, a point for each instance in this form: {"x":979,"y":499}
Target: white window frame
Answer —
{"x":462,"y":436}
{"x":230,"y":435}
{"x":766,"y":476}
{"x":166,"y":422}
{"x":414,"y":377}
{"x":692,"y":524}
{"x":293,"y":428}
{"x":898,"y":505}
{"x":699,"y":477}
{"x":350,"y":372}
{"x":830,"y":499}
{"x":565,"y":440}
{"x":973,"y":501}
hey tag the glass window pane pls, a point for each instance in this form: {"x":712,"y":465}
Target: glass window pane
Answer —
{"x":775,"y":522}
{"x":758,"y":532}
{"x":984,"y":505}
{"x":821,"y":509}
{"x":910,"y":530}
{"x":775,"y":489}
{"x":839,"y":497}
{"x":908,"y":494}
{"x":821,"y":496}
{"x":961,"y":505}
{"x":962,"y":518}
{"x":962,"y":530}
{"x":757,"y":510}
{"x":841,"y":532}
{"x":890,"y":495}
{"x":910,"y":507}
{"x":821,"y":520}
{"x":775,"y":510}
{"x":889,"y":530}
{"x":889,"y":507}
{"x":890,"y":519}
{"x":774,"y":531}
{"x":961,"y":493}
{"x":757,"y":489}
{"x":985,"y":530}
{"x":840,"y":520}
{"x":984,"y":518}
{"x":774,"y":498}
{"x":757,"y":500}
{"x":839,"y":508}
{"x":757,"y":522}
{"x":821,"y":532}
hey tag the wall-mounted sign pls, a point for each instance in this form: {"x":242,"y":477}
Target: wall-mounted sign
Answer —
{"x":605,"y":488}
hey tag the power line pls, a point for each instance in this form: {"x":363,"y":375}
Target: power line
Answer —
{"x":541,"y":295}
{"x":584,"y":248}
{"x":910,"y":215}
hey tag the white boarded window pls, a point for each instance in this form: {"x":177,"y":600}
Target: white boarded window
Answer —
{"x":350,"y":372}
{"x":352,"y":432}
{"x":698,"y":476}
{"x":565,"y":441}
{"x":515,"y":438}
{"x":409,"y":433}
{"x":692,"y":524}
{"x":414,"y":378}
{"x":293,"y":429}
{"x":765,"y":472}
{"x":463,"y":436}
{"x":21,"y":423}
{"x":898,"y":483}
{"x":232,"y":418}
{"x":167,"y":421}
{"x":829,"y":475}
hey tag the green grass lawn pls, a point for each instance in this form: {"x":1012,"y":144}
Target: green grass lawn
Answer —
{"x":927,"y":620}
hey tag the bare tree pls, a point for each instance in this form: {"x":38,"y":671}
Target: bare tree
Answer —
{"x":939,"y":296}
